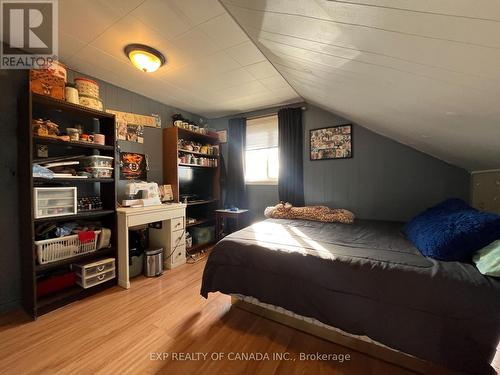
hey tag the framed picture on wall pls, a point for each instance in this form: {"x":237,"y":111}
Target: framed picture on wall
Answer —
{"x":133,"y":166}
{"x":331,"y":143}
{"x":222,"y":136}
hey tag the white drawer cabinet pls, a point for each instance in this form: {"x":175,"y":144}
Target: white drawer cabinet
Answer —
{"x":178,"y":256}
{"x":96,"y":279}
{"x":177,"y":223}
{"x":172,"y":218}
{"x":54,"y":201}
{"x":178,"y":238}
{"x":90,"y":274}
{"x":172,"y":233}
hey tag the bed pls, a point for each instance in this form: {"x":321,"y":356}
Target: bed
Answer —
{"x":364,"y":279}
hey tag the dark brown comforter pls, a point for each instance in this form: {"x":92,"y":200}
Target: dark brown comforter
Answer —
{"x":365,"y":279}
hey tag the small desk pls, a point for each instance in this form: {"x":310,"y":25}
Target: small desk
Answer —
{"x":221,"y":215}
{"x":174,"y":214}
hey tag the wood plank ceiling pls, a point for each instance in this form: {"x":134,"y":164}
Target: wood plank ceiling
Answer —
{"x":425,"y":73}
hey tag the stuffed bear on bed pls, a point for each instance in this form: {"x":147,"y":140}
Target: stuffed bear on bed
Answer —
{"x":315,"y":213}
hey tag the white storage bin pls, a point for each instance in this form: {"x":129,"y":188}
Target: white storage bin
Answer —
{"x":96,"y":279}
{"x":99,"y":172}
{"x":54,"y":201}
{"x":55,"y":249}
{"x":97,"y":161}
{"x":91,"y":269}
{"x":91,"y":274}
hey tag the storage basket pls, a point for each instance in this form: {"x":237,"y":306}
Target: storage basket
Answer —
{"x":55,"y":249}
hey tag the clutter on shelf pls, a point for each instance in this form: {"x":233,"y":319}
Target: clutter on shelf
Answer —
{"x":50,"y":230}
{"x":54,"y":281}
{"x":58,"y":241}
{"x":89,"y":204}
{"x":94,"y":166}
{"x":180,"y":122}
{"x":197,"y":160}
{"x":191,"y":146}
{"x":49,"y":81}
{"x":48,"y":128}
{"x":195,"y":153}
{"x":88,"y":93}
{"x":45,"y":128}
{"x":52,"y":81}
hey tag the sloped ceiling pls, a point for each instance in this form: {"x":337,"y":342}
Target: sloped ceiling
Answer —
{"x":425,"y":73}
{"x":213,"y":68}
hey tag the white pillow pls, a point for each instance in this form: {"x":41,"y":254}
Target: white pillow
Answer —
{"x":488,"y":259}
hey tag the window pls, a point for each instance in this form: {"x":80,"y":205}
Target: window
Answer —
{"x":261,"y":164}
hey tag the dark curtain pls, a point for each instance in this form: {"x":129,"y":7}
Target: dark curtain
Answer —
{"x":223,"y":178}
{"x":290,"y":141}
{"x":236,"y":191}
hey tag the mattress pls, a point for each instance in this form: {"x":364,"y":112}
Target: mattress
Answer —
{"x":365,"y":279}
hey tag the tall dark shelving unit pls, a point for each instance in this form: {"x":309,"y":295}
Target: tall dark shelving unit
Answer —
{"x":34,"y":106}
{"x":203,"y":210}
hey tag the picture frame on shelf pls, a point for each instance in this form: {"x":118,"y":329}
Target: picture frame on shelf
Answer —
{"x":222,"y":136}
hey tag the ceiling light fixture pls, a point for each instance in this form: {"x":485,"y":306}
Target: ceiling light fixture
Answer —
{"x":144,"y":58}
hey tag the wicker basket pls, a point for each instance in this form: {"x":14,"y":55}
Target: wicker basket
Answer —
{"x":55,"y":249}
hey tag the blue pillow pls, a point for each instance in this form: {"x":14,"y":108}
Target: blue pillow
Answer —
{"x":452,"y":230}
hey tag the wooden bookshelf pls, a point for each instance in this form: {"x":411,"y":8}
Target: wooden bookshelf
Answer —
{"x":199,"y":153}
{"x":51,"y":140}
{"x":195,"y":165}
{"x":33,"y":106}
{"x":202,"y":209}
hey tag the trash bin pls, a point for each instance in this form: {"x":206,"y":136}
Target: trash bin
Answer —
{"x":153,"y":262}
{"x":135,"y":263}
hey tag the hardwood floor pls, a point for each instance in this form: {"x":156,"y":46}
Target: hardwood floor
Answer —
{"x":125,"y":331}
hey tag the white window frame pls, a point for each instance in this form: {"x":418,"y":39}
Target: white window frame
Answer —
{"x":268,"y":181}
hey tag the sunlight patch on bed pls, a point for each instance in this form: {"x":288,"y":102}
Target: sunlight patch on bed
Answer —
{"x":272,"y":232}
{"x":318,"y":248}
{"x":285,"y":238}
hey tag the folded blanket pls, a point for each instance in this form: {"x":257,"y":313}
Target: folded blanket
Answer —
{"x":315,"y":213}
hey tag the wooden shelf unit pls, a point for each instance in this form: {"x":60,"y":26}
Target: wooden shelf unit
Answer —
{"x":198,"y":153}
{"x":51,"y":140}
{"x":203,"y":209}
{"x":196,"y":248}
{"x":69,"y":180}
{"x":195,"y":165}
{"x":33,"y":106}
{"x":171,"y":165}
{"x":197,"y":203}
{"x":199,"y":222}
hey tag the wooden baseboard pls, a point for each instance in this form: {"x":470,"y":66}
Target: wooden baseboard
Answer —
{"x":374,"y":350}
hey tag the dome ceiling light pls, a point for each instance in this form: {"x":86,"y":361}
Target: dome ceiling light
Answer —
{"x":144,"y":58}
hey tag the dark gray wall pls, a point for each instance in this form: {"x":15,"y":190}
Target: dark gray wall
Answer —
{"x":12,"y":84}
{"x":385,"y":180}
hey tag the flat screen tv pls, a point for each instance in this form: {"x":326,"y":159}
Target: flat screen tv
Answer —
{"x":196,"y":182}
